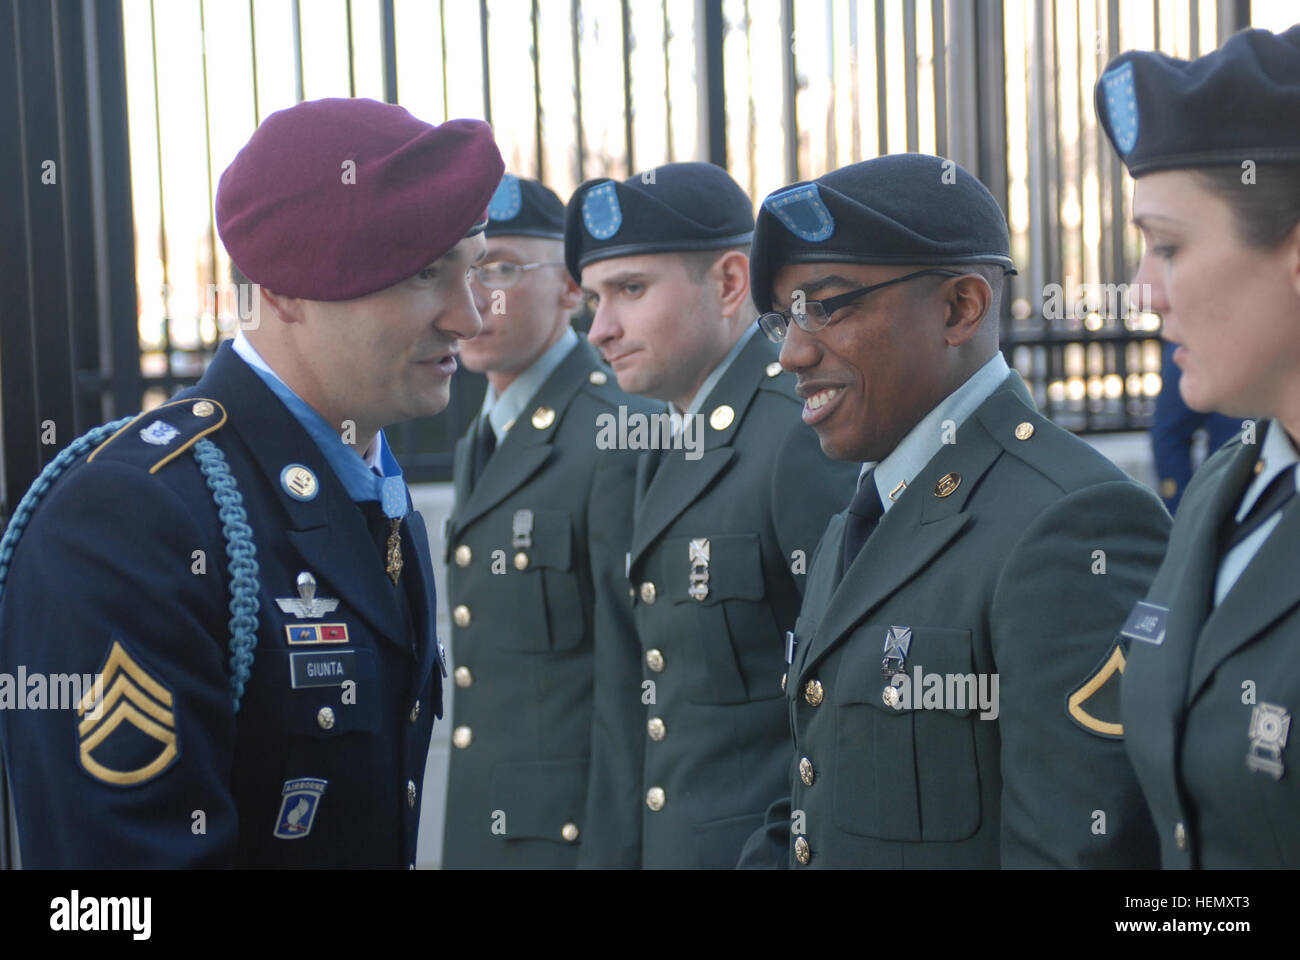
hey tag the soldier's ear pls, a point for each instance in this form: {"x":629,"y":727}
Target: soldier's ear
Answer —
{"x":731,"y":273}
{"x":571,"y":295}
{"x":968,"y":301}
{"x":288,"y":309}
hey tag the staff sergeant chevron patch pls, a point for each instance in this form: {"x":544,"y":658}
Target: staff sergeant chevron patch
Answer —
{"x":130,"y":736}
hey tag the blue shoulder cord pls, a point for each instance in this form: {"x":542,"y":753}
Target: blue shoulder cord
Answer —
{"x":238,"y":534}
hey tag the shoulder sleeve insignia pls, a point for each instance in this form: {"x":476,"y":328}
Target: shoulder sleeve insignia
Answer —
{"x":1094,"y":704}
{"x":160,"y":435}
{"x":127,"y":734}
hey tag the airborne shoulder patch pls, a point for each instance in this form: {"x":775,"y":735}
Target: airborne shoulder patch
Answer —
{"x":1094,"y":704}
{"x":158,"y":436}
{"x":127,"y":734}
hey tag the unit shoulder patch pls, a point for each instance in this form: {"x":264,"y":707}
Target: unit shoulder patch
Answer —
{"x":127,"y":732}
{"x":159,"y":436}
{"x":1094,"y":703}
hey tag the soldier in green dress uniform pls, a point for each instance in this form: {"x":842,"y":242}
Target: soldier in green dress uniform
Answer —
{"x":952,"y":674}
{"x":693,"y":734}
{"x":536,"y":539}
{"x":1212,"y":680}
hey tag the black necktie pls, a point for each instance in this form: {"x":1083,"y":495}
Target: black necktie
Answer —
{"x":484,"y":444}
{"x":864,"y":513}
{"x":1276,"y":495}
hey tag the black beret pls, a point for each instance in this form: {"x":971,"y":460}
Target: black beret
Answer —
{"x":1240,"y":102}
{"x":904,"y":208}
{"x":525,"y":208}
{"x":678,"y":207}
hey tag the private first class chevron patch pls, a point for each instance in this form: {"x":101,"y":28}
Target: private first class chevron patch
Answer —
{"x":130,"y":735}
{"x":1094,"y":704}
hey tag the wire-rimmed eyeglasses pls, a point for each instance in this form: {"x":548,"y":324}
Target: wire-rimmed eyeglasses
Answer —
{"x":813,"y":315}
{"x":502,"y":274}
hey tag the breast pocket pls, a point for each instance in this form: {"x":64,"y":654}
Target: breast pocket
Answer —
{"x":716,"y":586}
{"x":908,"y":772}
{"x":544,"y":605}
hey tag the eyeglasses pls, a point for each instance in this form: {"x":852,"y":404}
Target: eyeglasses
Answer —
{"x":502,"y":274}
{"x":813,"y":315}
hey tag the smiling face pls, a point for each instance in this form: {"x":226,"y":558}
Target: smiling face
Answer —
{"x":381,"y":358}
{"x":522,"y":321}
{"x":1233,"y":309}
{"x":884,"y":361}
{"x":659,"y":327}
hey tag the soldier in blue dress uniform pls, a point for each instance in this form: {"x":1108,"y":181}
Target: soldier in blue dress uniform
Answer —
{"x":241,"y":566}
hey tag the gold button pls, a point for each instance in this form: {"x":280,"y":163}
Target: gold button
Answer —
{"x":802,"y":852}
{"x":203,"y":409}
{"x":415,"y":711}
{"x":1168,"y":487}
{"x":462,"y":737}
{"x":1180,"y":836}
{"x":806,"y":772}
{"x":654,"y":660}
{"x":655,"y":727}
{"x":812,"y":692}
{"x":463,"y":677}
{"x":598,"y":377}
{"x":325,"y":718}
{"x":460,"y":615}
{"x":543,"y":417}
{"x":1259,"y":467}
{"x":299,"y":482}
{"x":947,"y":484}
{"x":647,"y":592}
{"x":570,"y":830}
{"x":654,"y":798}
{"x":1024,"y":430}
{"x":783,"y":676}
{"x":464,"y":555}
{"x":890,"y":696}
{"x":774,"y":368}
{"x":721,"y":417}
{"x":410,"y":793}
{"x":521,"y":561}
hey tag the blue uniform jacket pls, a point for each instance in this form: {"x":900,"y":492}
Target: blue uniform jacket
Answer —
{"x":122,"y":571}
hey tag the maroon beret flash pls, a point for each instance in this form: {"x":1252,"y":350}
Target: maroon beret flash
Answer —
{"x":299,"y":218}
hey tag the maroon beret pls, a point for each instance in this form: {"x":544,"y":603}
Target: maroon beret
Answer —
{"x":336,"y":199}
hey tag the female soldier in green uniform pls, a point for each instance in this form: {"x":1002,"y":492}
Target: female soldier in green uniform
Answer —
{"x":1213,"y":672}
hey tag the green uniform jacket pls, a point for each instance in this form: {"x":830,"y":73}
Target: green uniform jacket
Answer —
{"x":525,"y":610}
{"x":705,"y":679}
{"x":1001,"y":577}
{"x":1191,"y":702}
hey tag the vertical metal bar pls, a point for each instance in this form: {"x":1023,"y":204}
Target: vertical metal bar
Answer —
{"x":714,"y":114}
{"x":791,"y":87}
{"x":991,"y":127}
{"x":486,"y":59}
{"x":575,"y":25}
{"x":296,"y":11}
{"x":940,"y":60}
{"x":625,"y":14}
{"x":1231,"y":16}
{"x":114,"y":226}
{"x":1194,"y":27}
{"x":540,"y":160}
{"x":388,"y":32}
{"x":352,"y":64}
{"x":442,"y":40}
{"x":1115,"y":182}
{"x":909,"y":71}
{"x":252,"y":43}
{"x":668,"y":91}
{"x":1155,"y":21}
{"x":1057,"y":255}
{"x":751,"y":108}
{"x":207,"y":162}
{"x":832,"y":138}
{"x":882,"y":98}
{"x":162,"y":206}
{"x":855,"y":93}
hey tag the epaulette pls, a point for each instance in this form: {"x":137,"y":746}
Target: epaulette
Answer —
{"x":159,"y":436}
{"x":1046,"y":447}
